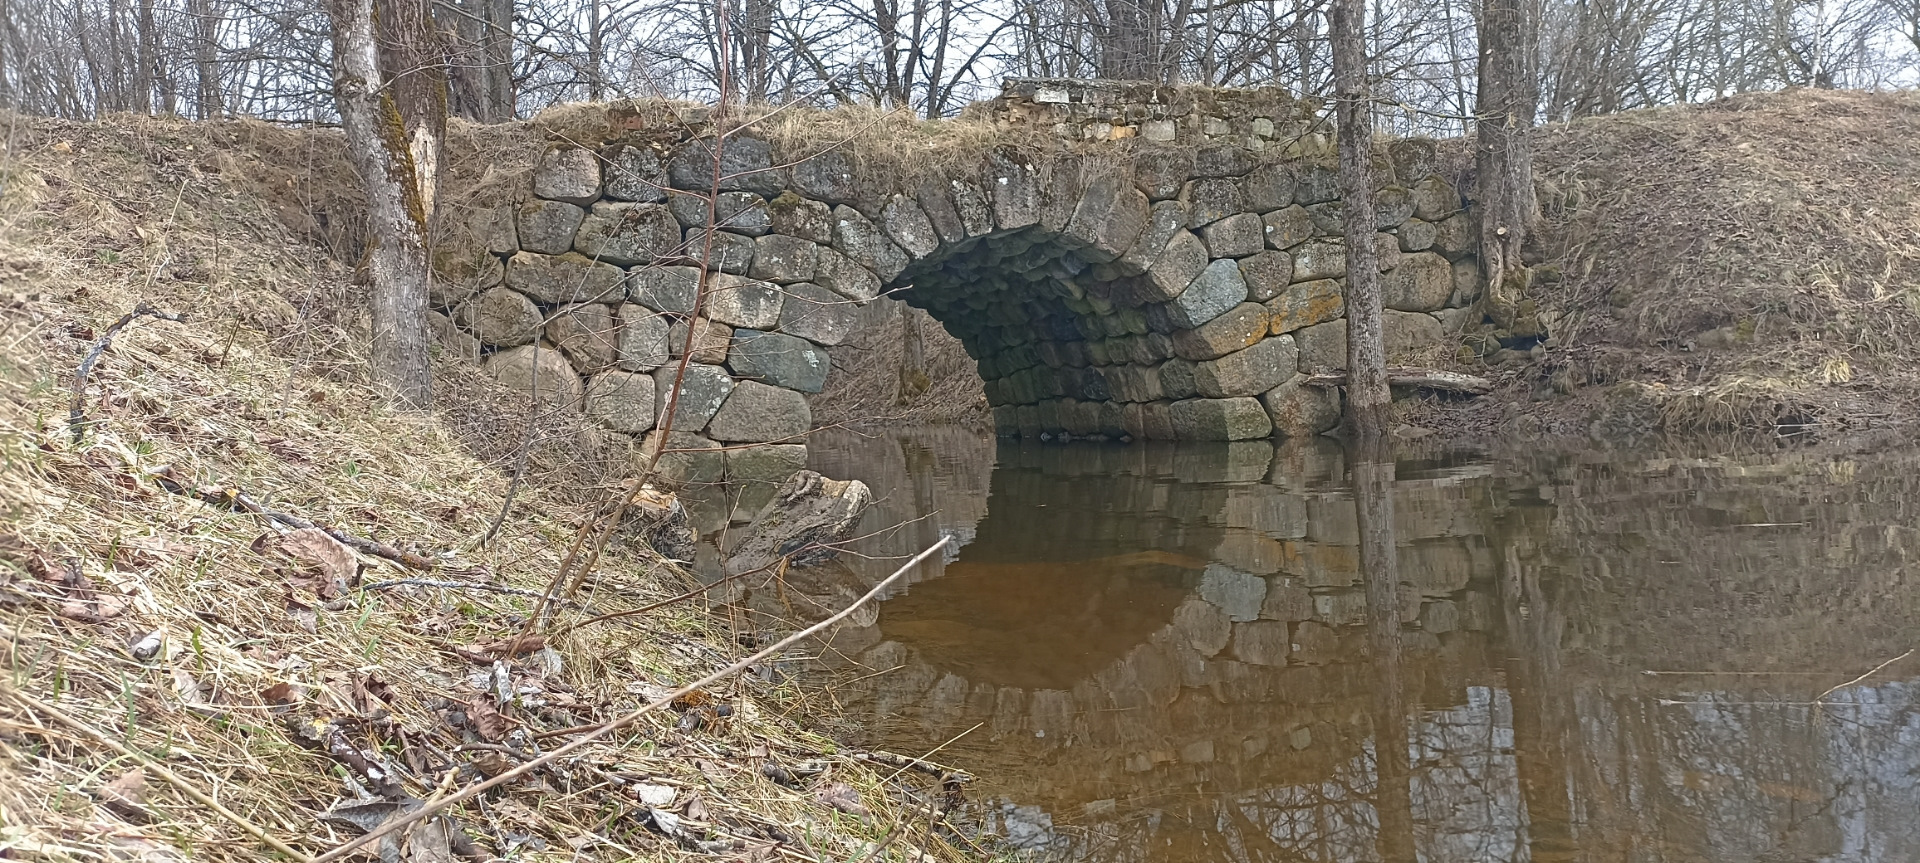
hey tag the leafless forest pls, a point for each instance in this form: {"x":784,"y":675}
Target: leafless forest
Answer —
{"x":272,"y":58}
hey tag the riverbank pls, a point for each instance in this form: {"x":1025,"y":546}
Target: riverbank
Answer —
{"x":166,"y":648}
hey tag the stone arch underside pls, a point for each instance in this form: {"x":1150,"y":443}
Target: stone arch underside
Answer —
{"x":1129,"y":262}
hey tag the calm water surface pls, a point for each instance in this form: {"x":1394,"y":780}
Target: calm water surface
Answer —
{"x":1161,"y":653}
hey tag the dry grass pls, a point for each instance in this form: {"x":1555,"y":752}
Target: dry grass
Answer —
{"x":261,"y":389}
{"x":865,"y":388}
{"x":1757,"y":257}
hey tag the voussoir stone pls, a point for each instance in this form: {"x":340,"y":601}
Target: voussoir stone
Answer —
{"x":1422,"y":282}
{"x":859,"y":239}
{"x":1218,"y":288}
{"x":586,"y":333}
{"x":1304,"y":304}
{"x":1220,"y":419}
{"x":1298,"y":410}
{"x":1160,"y":172}
{"x":1248,"y":372}
{"x":735,"y":212}
{"x":547,"y":227}
{"x":570,"y":174}
{"x":757,"y":413}
{"x":1108,"y":220}
{"x":746,"y":165}
{"x":778,"y":359}
{"x":1182,"y":261}
{"x":703,"y":389}
{"x":794,"y":216}
{"x":742,"y":302}
{"x":845,"y":276}
{"x":908,"y":225}
{"x":816,"y":314}
{"x":1236,"y":330}
{"x":568,"y":278}
{"x":539,"y":372}
{"x":503,"y":318}
{"x":621,"y":401}
{"x":636,"y":174}
{"x":1164,"y":220}
{"x":627,"y":234}
{"x":1235,"y":236}
{"x":642,"y":344}
{"x":1267,"y":273}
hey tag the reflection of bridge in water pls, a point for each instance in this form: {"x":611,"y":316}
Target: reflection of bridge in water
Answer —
{"x":1168,"y":655}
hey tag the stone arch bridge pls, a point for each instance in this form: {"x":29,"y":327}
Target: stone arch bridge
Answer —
{"x":1127,"y":260}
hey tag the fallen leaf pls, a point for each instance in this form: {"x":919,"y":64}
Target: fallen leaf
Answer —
{"x":758,"y":749}
{"x":191,"y":691}
{"x":696,"y":808}
{"x":303,"y":615}
{"x":331,"y":567}
{"x":840,"y":796}
{"x":279,"y":694}
{"x":491,"y":764}
{"x":657,"y":796}
{"x":487,"y":720}
{"x":667,"y":823}
{"x":127,"y":795}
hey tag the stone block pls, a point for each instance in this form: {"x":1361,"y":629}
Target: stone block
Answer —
{"x":570,"y":174}
{"x":736,"y":212}
{"x":1468,"y":282}
{"x":688,"y":459}
{"x":1156,"y":418}
{"x":1222,"y":160}
{"x":783,"y":260}
{"x":503,"y":318}
{"x":1413,"y":158}
{"x":586,"y":333}
{"x":934,"y":194}
{"x":1391,"y":206}
{"x":495,"y":230}
{"x":627,"y":234}
{"x":829,"y":176}
{"x":1329,"y":218}
{"x":1319,"y":259}
{"x":1110,"y":216}
{"x":1248,"y":372}
{"x":1262,"y":642}
{"x":636,"y":174}
{"x":703,"y":389}
{"x":1176,"y":379}
{"x":1304,"y":304}
{"x":1288,"y":227}
{"x":746,"y":165}
{"x":1298,"y":410}
{"x":1237,"y":593}
{"x":1434,"y":199}
{"x":1201,"y":627}
{"x":1240,"y":328}
{"x":1164,"y":220}
{"x":538,"y":373}
{"x":723,"y":251}
{"x":741,"y":302}
{"x":1212,"y":199}
{"x":1410,"y":335}
{"x":1269,"y":188}
{"x":459,"y":274}
{"x":1267,"y":274}
{"x":1287,"y":599}
{"x":1316,"y":184}
{"x":561,"y":279}
{"x":1014,"y":183}
{"x":1160,"y":172}
{"x":1182,"y":261}
{"x":1416,"y":235}
{"x":1323,"y":347}
{"x":1217,"y":289}
{"x":909,"y":227}
{"x":772,"y":463}
{"x":1219,"y":419}
{"x":757,"y":413}
{"x":1422,"y":282}
{"x":845,"y":276}
{"x":793,"y":216}
{"x":547,"y":227}
{"x":816,"y":314}
{"x":664,"y":289}
{"x":711,"y":341}
{"x":642,"y":343}
{"x":450,"y":340}
{"x":1235,"y":236}
{"x":862,"y":241}
{"x":778,"y":359}
{"x":1456,"y":236}
{"x":621,"y":401}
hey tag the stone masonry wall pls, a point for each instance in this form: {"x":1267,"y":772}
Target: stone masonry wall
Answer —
{"x":1165,"y":265}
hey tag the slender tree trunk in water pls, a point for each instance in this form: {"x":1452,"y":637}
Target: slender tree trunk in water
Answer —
{"x":914,"y":380}
{"x":1367,"y":395}
{"x":1543,"y":723}
{"x":397,"y":221}
{"x":1508,"y":94}
{"x":1380,"y":566}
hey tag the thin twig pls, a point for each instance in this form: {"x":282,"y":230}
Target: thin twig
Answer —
{"x":1871,"y":672}
{"x":76,"y":416}
{"x":238,"y":501}
{"x":453,"y":585}
{"x":175,"y":779}
{"x":607,"y":728}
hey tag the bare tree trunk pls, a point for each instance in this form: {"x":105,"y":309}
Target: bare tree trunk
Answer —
{"x":1367,"y":395}
{"x":208,"y":102}
{"x":145,"y":59}
{"x":412,"y":61}
{"x":481,"y":33}
{"x":1508,"y":93}
{"x":397,"y":263}
{"x":1373,"y":476}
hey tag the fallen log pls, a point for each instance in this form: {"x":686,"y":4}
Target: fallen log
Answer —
{"x":1426,"y":379}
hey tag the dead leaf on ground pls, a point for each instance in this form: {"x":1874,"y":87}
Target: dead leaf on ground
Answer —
{"x":330,"y":566}
{"x":840,"y":796}
{"x":487,"y":720}
{"x":127,"y":795}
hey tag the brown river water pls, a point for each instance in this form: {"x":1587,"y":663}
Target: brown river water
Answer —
{"x":1170,"y":653}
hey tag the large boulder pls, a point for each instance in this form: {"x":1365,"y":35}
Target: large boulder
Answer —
{"x":539,"y":373}
{"x":621,"y":401}
{"x":503,"y":318}
{"x":569,"y":278}
{"x":805,"y":518}
{"x":1248,"y":372}
{"x":779,"y":359}
{"x":627,"y":234}
{"x":757,"y":413}
{"x":1422,"y":282}
{"x":1220,"y":419}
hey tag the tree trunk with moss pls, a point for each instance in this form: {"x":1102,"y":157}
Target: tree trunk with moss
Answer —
{"x":1508,"y":93}
{"x":397,"y":222}
{"x":413,"y":61}
{"x":1368,"y":397}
